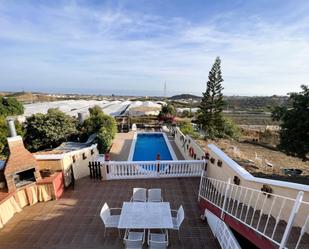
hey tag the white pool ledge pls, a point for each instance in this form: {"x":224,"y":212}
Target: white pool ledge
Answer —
{"x":169,"y":146}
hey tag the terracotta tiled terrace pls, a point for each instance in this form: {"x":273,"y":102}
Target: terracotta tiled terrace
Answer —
{"x":74,"y":222}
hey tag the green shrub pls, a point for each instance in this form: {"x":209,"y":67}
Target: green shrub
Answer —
{"x":187,"y":129}
{"x":104,"y":125}
{"x":10,"y":106}
{"x":231,"y":129}
{"x":46,"y":131}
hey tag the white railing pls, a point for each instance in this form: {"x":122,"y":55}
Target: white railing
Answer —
{"x":269,"y":215}
{"x":303,"y":236}
{"x":152,"y":169}
{"x":221,"y":231}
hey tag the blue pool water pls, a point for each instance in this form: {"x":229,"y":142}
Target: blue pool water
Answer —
{"x":147,"y":147}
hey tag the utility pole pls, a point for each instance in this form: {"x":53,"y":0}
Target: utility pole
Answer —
{"x":165,"y":90}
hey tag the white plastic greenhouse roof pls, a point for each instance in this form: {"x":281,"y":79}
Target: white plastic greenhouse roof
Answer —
{"x":73,"y":107}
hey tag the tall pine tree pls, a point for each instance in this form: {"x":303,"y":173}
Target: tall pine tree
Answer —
{"x":210,"y":116}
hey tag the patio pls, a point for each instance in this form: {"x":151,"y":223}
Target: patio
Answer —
{"x":73,"y":221}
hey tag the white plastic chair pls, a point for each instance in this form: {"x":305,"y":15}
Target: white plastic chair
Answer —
{"x":158,"y":240}
{"x":178,"y":219}
{"x":134,"y":240}
{"x":109,"y":220}
{"x":139,"y":194}
{"x":154,"y":195}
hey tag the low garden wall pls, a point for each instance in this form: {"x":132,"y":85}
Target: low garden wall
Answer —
{"x":222,"y":167}
{"x":45,"y":190}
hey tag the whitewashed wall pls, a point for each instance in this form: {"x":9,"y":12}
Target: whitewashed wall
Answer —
{"x":184,"y":143}
{"x":230,"y":169}
{"x":80,"y":167}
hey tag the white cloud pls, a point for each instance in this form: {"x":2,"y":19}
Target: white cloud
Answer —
{"x":72,"y":45}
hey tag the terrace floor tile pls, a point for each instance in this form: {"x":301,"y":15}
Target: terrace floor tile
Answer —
{"x":74,"y":222}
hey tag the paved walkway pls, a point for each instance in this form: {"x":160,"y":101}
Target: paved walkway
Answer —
{"x":121,"y":146}
{"x":175,"y":148}
{"x":74,"y":221}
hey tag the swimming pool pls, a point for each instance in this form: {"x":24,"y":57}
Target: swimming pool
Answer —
{"x":146,"y":147}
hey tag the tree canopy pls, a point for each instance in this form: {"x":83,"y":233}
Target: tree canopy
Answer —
{"x":230,"y":128}
{"x":49,"y":130}
{"x":167,"y":113}
{"x":10,"y":106}
{"x":210,"y":116}
{"x":104,"y":125}
{"x":294,"y":118}
{"x":187,"y":129}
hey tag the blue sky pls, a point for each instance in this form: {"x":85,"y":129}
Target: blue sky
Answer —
{"x":134,"y":47}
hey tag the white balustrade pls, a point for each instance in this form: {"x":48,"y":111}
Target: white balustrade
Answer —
{"x":152,"y":169}
{"x":221,"y":231}
{"x":260,"y":211}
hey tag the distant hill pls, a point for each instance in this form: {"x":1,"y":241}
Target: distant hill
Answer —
{"x":28,"y":97}
{"x":185,"y":96}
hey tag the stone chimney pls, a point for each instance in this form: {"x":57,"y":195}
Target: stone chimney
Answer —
{"x":20,"y":160}
{"x":81,"y":117}
{"x":11,"y":126}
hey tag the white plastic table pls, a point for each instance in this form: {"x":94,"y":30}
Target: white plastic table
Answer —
{"x":147,"y":215}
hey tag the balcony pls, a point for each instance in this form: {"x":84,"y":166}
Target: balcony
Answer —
{"x":266,"y":219}
{"x":74,"y":222}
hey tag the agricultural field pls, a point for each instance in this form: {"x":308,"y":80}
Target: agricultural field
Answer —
{"x":251,"y":118}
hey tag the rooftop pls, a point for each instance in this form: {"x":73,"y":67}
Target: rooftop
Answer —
{"x":64,"y":148}
{"x":74,"y":222}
